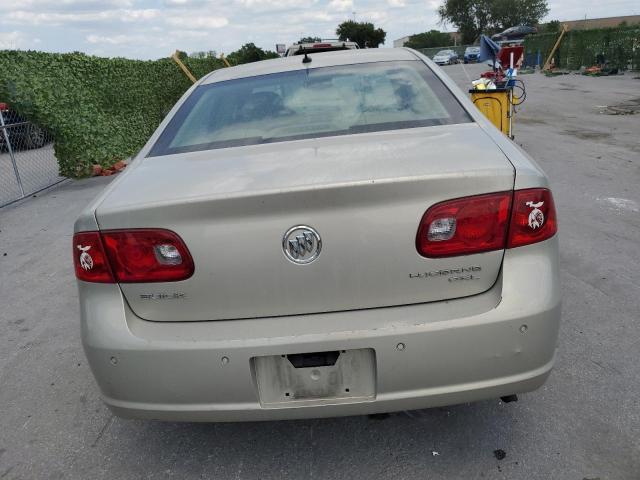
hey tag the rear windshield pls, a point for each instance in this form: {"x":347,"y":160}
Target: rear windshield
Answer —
{"x":310,"y":103}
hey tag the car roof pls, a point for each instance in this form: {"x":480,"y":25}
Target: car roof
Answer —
{"x":325,"y":59}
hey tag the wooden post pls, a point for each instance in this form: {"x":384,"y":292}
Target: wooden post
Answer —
{"x":555,"y":47}
{"x":224,"y":59}
{"x":183,"y":66}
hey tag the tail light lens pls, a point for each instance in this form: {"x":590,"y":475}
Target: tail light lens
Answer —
{"x":482,"y":223}
{"x":89,"y":258}
{"x":136,"y":256}
{"x":465,"y":226}
{"x":533,"y":218}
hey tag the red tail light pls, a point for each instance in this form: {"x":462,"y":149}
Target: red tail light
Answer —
{"x":533,"y":218}
{"x":482,"y":223}
{"x":465,"y":225}
{"x":89,"y":258}
{"x":135,"y":256}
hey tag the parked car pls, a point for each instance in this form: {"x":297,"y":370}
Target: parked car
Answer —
{"x":514,"y":33}
{"x":446,"y":57}
{"x":319,"y":47}
{"x":22,"y":133}
{"x":342,"y":237}
{"x":471,"y":54}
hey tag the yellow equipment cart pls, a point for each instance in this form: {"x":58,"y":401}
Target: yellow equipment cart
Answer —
{"x":497,"y":106}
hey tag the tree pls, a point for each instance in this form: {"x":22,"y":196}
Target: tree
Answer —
{"x":486,"y":16}
{"x":471,"y":17}
{"x":508,"y":13}
{"x":250,"y":53}
{"x":365,"y":34}
{"x":310,"y":40}
{"x":432,"y":38}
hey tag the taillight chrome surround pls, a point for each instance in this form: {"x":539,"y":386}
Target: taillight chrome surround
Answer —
{"x":131,"y":256}
{"x":483,"y":223}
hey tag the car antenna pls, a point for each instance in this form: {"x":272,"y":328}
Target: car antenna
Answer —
{"x":306,"y":58}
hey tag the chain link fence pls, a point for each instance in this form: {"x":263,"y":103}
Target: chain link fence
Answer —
{"x":431,"y":51}
{"x":27,"y":160}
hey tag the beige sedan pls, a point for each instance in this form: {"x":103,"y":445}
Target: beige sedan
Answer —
{"x":341,"y":236}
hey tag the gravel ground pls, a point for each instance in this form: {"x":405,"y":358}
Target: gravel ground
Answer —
{"x":583,"y":424}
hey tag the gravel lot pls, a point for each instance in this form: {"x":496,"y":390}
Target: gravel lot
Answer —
{"x":584,"y":424}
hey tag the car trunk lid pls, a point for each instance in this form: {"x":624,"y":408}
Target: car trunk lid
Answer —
{"x":364,"y":195}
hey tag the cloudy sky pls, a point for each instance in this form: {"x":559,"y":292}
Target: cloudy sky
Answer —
{"x":155,"y":28}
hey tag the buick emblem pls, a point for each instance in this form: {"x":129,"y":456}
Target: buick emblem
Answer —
{"x":301,"y":244}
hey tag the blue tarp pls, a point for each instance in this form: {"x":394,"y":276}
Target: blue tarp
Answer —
{"x":488,"y":49}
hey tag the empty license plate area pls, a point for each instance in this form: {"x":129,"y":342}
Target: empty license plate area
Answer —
{"x":316,"y":378}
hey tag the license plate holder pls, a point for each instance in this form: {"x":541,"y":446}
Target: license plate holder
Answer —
{"x":351,"y":378}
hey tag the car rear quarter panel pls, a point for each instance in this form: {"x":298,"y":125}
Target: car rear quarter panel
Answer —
{"x":528,"y":174}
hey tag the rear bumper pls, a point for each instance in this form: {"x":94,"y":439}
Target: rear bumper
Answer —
{"x":493,"y":344}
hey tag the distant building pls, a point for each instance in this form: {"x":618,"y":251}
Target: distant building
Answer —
{"x":401,"y":41}
{"x":606,"y":22}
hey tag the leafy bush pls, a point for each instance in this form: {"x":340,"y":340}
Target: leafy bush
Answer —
{"x":619,"y":46}
{"x":99,"y":110}
{"x":430,"y":39}
{"x":553,"y":26}
{"x":249,"y":53}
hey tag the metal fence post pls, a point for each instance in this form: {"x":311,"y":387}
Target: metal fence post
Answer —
{"x":11,"y":155}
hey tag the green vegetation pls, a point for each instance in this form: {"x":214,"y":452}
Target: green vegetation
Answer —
{"x":473,"y":17}
{"x":365,"y":34}
{"x":508,"y":13}
{"x":553,"y":26}
{"x":430,"y":39}
{"x":250,"y":53}
{"x":99,"y":110}
{"x":618,"y":46}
